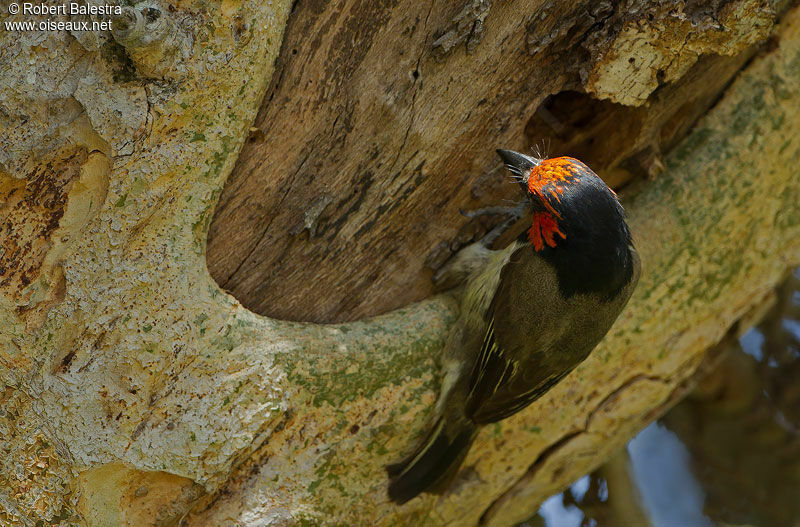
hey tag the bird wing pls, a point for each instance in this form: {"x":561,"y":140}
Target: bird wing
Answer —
{"x":498,"y":389}
{"x":534,"y":337}
{"x":491,"y":371}
{"x":519,"y":360}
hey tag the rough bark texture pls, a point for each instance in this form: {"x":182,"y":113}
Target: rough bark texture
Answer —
{"x":134,"y":391}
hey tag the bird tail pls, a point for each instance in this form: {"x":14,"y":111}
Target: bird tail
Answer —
{"x":432,"y":466}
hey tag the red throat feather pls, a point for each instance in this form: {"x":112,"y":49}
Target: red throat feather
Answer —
{"x":543,"y":230}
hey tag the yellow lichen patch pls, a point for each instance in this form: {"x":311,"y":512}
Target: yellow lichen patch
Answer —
{"x":229,"y":8}
{"x":115,"y":494}
{"x":33,"y":485}
{"x":29,"y":216}
{"x":86,"y":195}
{"x":38,"y":217}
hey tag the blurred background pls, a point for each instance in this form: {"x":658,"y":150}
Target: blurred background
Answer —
{"x":727,"y":455}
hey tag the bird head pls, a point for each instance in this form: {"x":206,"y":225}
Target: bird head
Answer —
{"x":576,"y":217}
{"x":546,"y":182}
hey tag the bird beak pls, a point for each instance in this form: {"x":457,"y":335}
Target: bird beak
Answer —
{"x":519,"y":165}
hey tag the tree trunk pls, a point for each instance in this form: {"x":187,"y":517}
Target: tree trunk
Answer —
{"x":136,"y":391}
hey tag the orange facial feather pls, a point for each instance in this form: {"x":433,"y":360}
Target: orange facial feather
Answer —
{"x":548,"y":180}
{"x":552,"y":175}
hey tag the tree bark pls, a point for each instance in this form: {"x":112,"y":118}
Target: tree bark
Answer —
{"x":135,"y":391}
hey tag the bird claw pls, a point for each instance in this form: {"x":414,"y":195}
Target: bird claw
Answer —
{"x":472,"y":257}
{"x":459,"y":267}
{"x":515,"y":211}
{"x":512,"y":213}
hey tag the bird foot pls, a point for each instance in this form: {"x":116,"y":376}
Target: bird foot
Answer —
{"x":474,"y":256}
{"x":512,"y":215}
